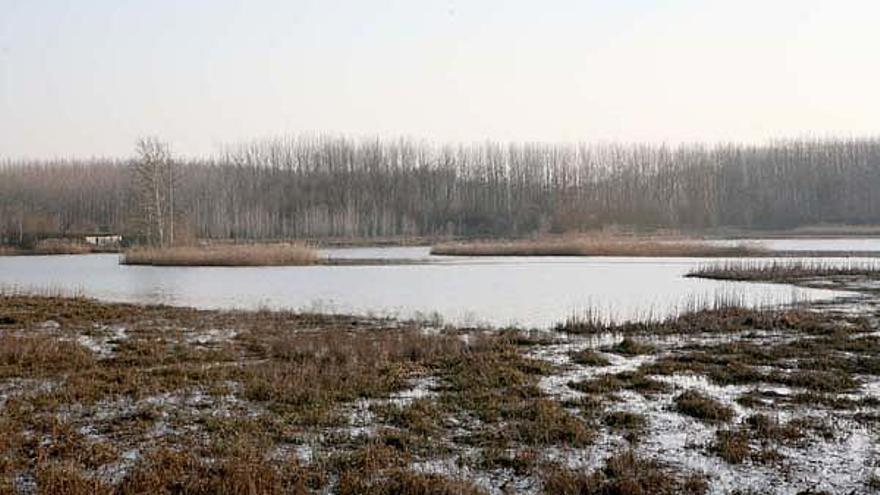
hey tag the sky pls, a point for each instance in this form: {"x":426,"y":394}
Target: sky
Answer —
{"x":83,"y":78}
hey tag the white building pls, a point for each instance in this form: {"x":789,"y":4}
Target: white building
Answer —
{"x":103,"y":239}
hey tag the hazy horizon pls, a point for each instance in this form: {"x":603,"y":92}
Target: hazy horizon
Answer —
{"x":87,"y":79}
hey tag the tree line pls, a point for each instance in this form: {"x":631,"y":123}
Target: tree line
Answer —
{"x":325,"y":187}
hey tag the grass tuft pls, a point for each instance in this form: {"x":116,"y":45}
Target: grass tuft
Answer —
{"x":589,"y":357}
{"x":697,"y":405}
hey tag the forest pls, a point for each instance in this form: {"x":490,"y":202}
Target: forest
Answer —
{"x":335,"y":187}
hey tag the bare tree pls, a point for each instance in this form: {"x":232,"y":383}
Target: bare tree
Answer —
{"x":155,"y":179}
{"x":342,"y":187}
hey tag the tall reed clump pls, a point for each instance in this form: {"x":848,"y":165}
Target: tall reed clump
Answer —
{"x":226,"y":255}
{"x":61,"y":246}
{"x":756,"y":270}
{"x":49,"y":246}
{"x":596,"y":246}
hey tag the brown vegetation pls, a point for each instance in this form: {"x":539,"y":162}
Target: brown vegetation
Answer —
{"x":635,"y":381}
{"x":783,"y":271}
{"x":722,"y":319}
{"x":303,"y":187}
{"x":61,"y":246}
{"x":595,"y":246}
{"x":624,"y":474}
{"x":223,"y":255}
{"x":697,"y":405}
{"x":631,"y":347}
{"x":589,"y":357}
{"x":56,"y":246}
{"x":275,"y":402}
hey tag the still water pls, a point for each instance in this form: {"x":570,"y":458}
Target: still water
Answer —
{"x":528,"y":292}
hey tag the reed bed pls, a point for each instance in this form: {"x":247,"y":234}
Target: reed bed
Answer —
{"x":696,"y":308}
{"x":61,"y":246}
{"x":751,"y":270}
{"x":596,"y":246}
{"x":227,"y":255}
{"x":50,"y":247}
{"x":722,"y":319}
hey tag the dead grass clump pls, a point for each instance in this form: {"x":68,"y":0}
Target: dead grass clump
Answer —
{"x":588,"y":357}
{"x":27,"y":356}
{"x":545,"y":422}
{"x":307,"y":396}
{"x":491,"y":378}
{"x":308,"y":373}
{"x":624,"y":420}
{"x":832,"y":401}
{"x":631,"y":347}
{"x":697,"y":405}
{"x":631,"y":424}
{"x":817,"y":381}
{"x":768,"y":429}
{"x":493,"y":381}
{"x":595,"y":246}
{"x":61,"y":246}
{"x":421,"y":417}
{"x":227,"y":255}
{"x":237,"y":468}
{"x":405,"y":482}
{"x":521,"y":462}
{"x":873,"y":482}
{"x":635,"y":381}
{"x":731,"y":445}
{"x":67,"y":478}
{"x":623,"y":474}
{"x":728,"y":370}
{"x":735,"y":444}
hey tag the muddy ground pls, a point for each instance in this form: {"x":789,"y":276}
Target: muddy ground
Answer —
{"x":112,"y":398}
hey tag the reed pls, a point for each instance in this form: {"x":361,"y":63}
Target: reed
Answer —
{"x":61,"y":246}
{"x":226,"y":255}
{"x":770,"y":271}
{"x":597,"y":246}
{"x":49,"y":247}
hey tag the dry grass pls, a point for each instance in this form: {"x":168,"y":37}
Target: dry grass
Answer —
{"x":783,"y":271}
{"x":61,"y":246}
{"x":635,"y":381}
{"x":588,"y":357}
{"x":826,"y":362}
{"x":697,"y":405}
{"x":723,"y":319}
{"x":53,"y":247}
{"x":280,"y":380}
{"x":227,"y":255}
{"x":631,"y":347}
{"x":595,"y":246}
{"x":623,"y":474}
{"x":369,"y":400}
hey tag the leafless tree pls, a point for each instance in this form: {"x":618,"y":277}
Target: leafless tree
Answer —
{"x":155,"y":180}
{"x":340,"y":187}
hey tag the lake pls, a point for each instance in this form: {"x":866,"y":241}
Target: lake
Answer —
{"x":497,"y":291}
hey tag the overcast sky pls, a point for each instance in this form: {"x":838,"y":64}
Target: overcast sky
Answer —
{"x":87,"y":77}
